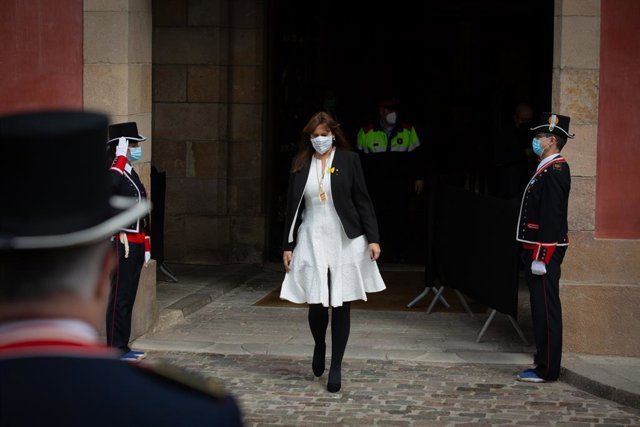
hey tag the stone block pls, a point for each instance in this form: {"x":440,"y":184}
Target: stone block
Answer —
{"x":106,"y":37}
{"x":185,"y":121}
{"x":207,"y":84}
{"x":169,"y":83}
{"x":245,"y":196}
{"x":247,"y":13}
{"x":578,"y":94}
{"x":246,"y":122}
{"x":208,"y":13}
{"x":599,"y":319}
{"x":141,"y":6}
{"x":174,"y":243}
{"x":140,"y":31}
{"x":247,"y":47}
{"x":170,"y":157}
{"x":246,"y":84}
{"x":592,"y":260}
{"x":145,"y":312}
{"x":245,"y":159}
{"x":198,"y":45}
{"x":582,"y":202}
{"x":207,"y":160}
{"x":207,"y":239}
{"x":139,"y":89}
{"x":105,"y":5}
{"x":143,"y":122}
{"x":169,"y":13}
{"x":581,"y":151}
{"x":195,"y":196}
{"x":105,"y":88}
{"x":577,"y":8}
{"x":248,"y":231}
{"x":579,"y":42}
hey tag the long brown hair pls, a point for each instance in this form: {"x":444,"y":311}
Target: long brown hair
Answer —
{"x":305,"y":149}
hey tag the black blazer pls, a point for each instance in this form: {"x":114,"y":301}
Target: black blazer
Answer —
{"x":350,"y":197}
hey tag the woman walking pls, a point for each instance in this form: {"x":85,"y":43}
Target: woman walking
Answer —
{"x":331,"y":239}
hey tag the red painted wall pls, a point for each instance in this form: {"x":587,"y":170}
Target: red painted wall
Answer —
{"x":40,"y":54}
{"x":618,"y":166}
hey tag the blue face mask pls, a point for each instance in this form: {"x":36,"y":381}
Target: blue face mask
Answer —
{"x":535,"y":144}
{"x":134,"y":153}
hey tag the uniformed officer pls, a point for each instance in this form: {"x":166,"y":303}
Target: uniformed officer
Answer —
{"x":55,"y":263}
{"x":391,"y":166}
{"x":543,"y":231}
{"x":132,"y":243}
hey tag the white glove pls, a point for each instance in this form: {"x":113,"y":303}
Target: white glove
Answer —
{"x":121,"y":148}
{"x":147,"y":256}
{"x":538,"y":268}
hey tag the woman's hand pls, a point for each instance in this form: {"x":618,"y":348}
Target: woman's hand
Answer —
{"x":286,"y":260}
{"x":374,"y":251}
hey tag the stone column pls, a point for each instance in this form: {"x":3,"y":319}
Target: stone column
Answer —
{"x":117,"y":82}
{"x":599,"y":280}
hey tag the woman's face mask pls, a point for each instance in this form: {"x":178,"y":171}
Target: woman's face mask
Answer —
{"x":135,"y":153}
{"x":322,"y":143}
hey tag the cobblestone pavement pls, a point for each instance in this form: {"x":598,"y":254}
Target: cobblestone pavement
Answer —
{"x":275,"y":390}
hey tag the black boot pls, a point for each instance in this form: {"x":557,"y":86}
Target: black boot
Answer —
{"x":335,"y":380}
{"x":318,"y":322}
{"x":318,"y":359}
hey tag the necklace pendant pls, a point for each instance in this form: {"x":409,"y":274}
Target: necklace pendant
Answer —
{"x":323,"y":196}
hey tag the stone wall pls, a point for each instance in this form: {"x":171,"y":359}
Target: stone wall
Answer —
{"x":117,"y":82}
{"x":601,"y":277}
{"x":208,"y":66}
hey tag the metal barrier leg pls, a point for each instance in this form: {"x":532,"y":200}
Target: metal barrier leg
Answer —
{"x":518,"y":330}
{"x":419,"y":297}
{"x":436,"y":298}
{"x":486,"y":325}
{"x":464,"y":302}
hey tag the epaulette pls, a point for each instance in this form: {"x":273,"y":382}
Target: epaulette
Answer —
{"x":174,"y":374}
{"x":557,"y":166}
{"x":367,"y":127}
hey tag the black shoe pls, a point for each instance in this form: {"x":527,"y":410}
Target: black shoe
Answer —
{"x":335,"y":380}
{"x":318,"y":359}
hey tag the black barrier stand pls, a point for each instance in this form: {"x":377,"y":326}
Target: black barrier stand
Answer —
{"x":429,"y":272}
{"x":159,"y":187}
{"x":465,"y":221}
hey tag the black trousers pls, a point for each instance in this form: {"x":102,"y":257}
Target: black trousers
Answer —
{"x":546,"y":313}
{"x":124,"y":286}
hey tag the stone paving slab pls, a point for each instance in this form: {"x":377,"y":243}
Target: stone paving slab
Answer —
{"x":231,"y":325}
{"x":274,"y":390}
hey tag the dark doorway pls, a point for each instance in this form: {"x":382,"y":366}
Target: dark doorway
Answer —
{"x":459,"y":68}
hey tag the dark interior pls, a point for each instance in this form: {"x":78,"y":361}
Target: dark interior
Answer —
{"x":458,"y":68}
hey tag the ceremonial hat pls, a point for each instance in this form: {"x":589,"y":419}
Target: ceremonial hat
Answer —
{"x":127,"y":130}
{"x":554,"y":124}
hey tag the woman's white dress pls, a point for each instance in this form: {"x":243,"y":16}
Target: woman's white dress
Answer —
{"x":323,"y":247}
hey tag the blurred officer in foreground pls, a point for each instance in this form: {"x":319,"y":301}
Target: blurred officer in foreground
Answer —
{"x":55,"y":264}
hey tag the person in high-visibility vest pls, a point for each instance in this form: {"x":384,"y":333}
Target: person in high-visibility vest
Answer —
{"x":391,"y":163}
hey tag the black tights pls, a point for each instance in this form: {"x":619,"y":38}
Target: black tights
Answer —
{"x":340,"y":327}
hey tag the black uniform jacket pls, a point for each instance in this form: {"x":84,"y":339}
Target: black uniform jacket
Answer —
{"x":53,"y":383}
{"x":350,"y":198}
{"x":542,"y":223}
{"x":126,"y":182}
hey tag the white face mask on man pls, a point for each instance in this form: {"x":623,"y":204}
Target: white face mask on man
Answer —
{"x":322,"y":143}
